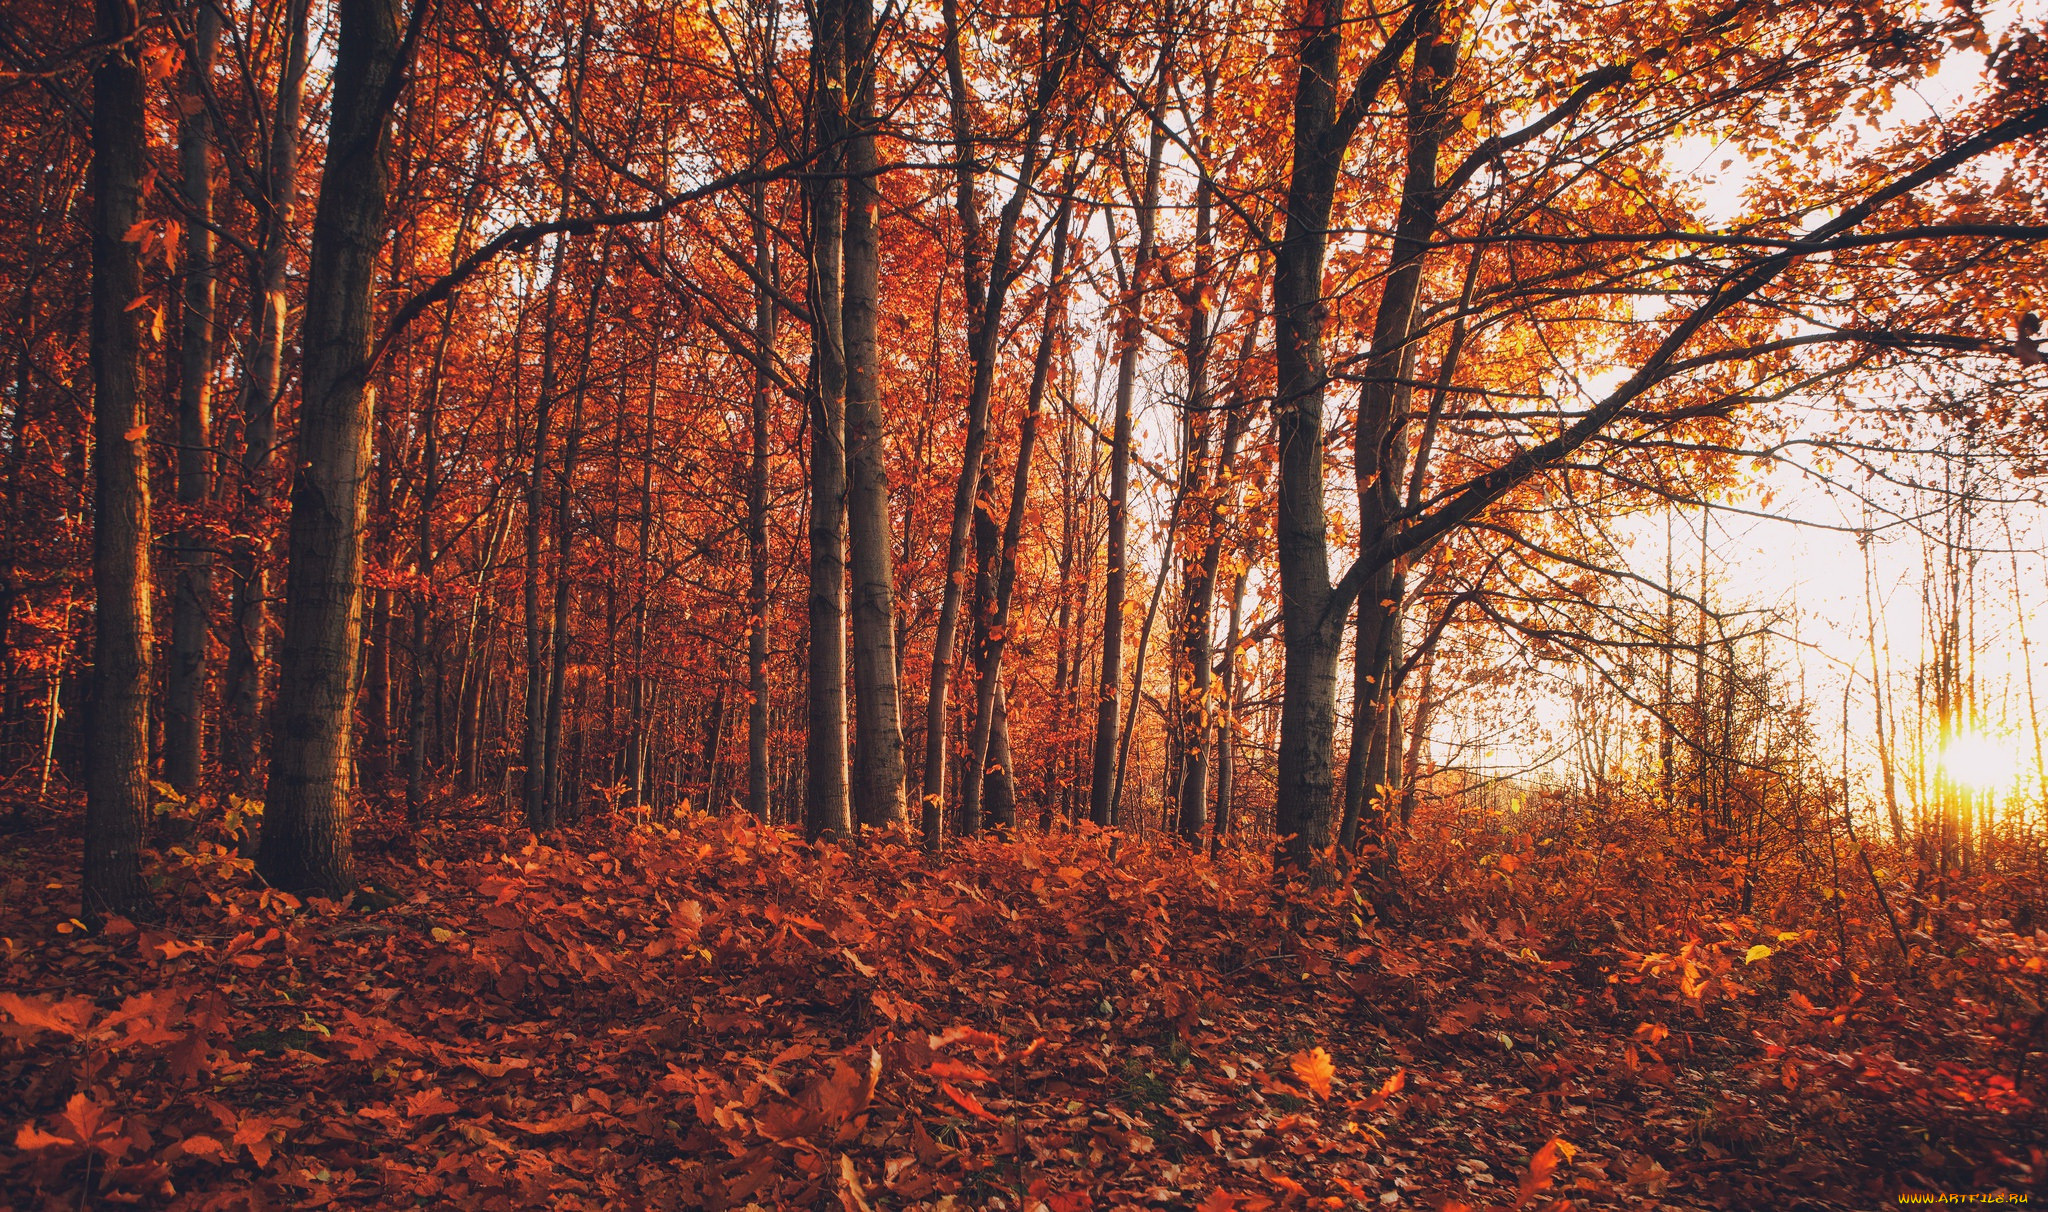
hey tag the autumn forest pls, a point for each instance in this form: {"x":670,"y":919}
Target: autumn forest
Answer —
{"x":1025,"y":604}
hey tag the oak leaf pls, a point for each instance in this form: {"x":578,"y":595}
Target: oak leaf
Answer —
{"x":1314,"y":1069}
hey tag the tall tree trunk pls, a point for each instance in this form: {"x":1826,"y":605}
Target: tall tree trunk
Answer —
{"x":251,"y":574}
{"x":565,"y":543}
{"x":533,"y":781}
{"x":1198,"y":572}
{"x":1382,"y":458}
{"x":305,"y":843}
{"x":423,"y":557}
{"x":765,"y":273}
{"x":827,"y":810}
{"x":878,"y":793}
{"x":1102,"y":788}
{"x":1311,"y":632}
{"x":192,"y":601}
{"x":638,"y":707}
{"x":117,"y":743}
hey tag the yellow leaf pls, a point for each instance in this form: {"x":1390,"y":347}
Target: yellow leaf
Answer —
{"x":1315,"y":1069}
{"x":442,"y":934}
{"x":1472,"y":120}
{"x":1760,"y":951}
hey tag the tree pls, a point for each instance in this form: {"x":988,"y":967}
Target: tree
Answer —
{"x":192,"y":598}
{"x":878,"y":777}
{"x":250,"y":577}
{"x":827,"y":808}
{"x":305,"y":841}
{"x":117,"y":761}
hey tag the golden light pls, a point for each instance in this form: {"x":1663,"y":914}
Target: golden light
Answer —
{"x":1980,"y":763}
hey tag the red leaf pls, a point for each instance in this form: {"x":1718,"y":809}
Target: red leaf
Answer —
{"x":967,"y":1102}
{"x":958,"y":1071}
{"x":430,"y":1102}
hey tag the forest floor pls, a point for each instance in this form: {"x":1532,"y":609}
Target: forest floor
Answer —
{"x":703,"y":1013}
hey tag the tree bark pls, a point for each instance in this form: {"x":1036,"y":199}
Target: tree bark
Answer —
{"x":827,"y":810}
{"x":989,"y":721}
{"x":985,"y":298}
{"x":1311,"y":633}
{"x":192,"y":596}
{"x":305,"y":843}
{"x":1382,"y":458}
{"x":878,"y":792}
{"x":250,"y":575}
{"x":1103,"y":777}
{"x":117,"y":742}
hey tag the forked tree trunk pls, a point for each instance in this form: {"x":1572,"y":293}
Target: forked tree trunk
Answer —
{"x":192,"y":596}
{"x":988,"y":749}
{"x":1311,"y":632}
{"x":117,"y":743}
{"x":985,"y":299}
{"x":305,"y":843}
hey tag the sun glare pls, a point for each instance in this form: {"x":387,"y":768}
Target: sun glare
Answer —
{"x":1980,"y":763}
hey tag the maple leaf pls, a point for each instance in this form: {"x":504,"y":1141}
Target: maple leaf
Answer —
{"x":34,"y":1016}
{"x":1314,"y":1069}
{"x":253,"y":1134}
{"x":29,"y":1137}
{"x":1388,"y":1089}
{"x":1543,"y":1169}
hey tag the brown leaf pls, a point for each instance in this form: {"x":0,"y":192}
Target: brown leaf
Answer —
{"x":1314,"y":1069}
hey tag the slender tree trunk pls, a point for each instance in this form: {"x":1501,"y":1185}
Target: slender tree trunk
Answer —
{"x":423,"y":594}
{"x":375,"y":754}
{"x":539,"y":642}
{"x":827,"y":810}
{"x":1102,"y":806}
{"x":117,"y":742}
{"x":1198,"y":573}
{"x":878,"y":792}
{"x":192,"y":601}
{"x":985,"y":298}
{"x":1226,"y":725}
{"x":565,"y":544}
{"x":251,"y":574}
{"x":642,"y":678}
{"x":757,"y":517}
{"x":1002,"y":578}
{"x":305,"y":843}
{"x":1382,"y":462}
